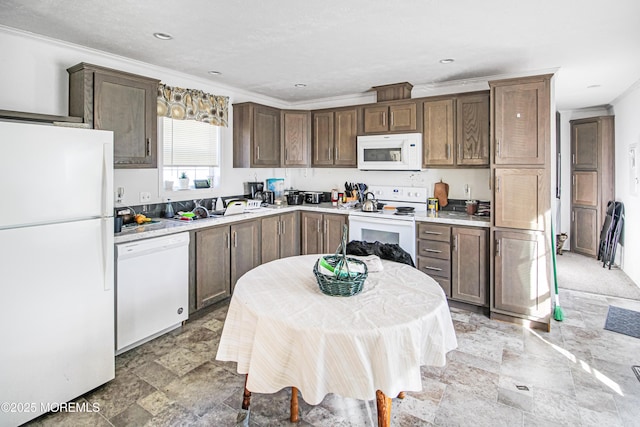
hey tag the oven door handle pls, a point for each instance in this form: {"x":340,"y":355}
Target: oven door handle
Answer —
{"x":370,"y":220}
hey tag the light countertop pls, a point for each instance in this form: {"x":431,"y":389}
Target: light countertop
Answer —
{"x":170,"y":226}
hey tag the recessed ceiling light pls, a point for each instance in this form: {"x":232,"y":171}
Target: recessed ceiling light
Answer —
{"x":447,"y":61}
{"x":162,"y":36}
{"x":300,"y":85}
{"x":592,"y":86}
{"x":214,"y":73}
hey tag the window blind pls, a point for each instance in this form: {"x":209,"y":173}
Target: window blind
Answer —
{"x":189,"y":143}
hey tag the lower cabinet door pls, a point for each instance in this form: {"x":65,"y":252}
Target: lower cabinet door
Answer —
{"x":270,"y":238}
{"x":245,"y":249}
{"x":521,"y":277}
{"x":289,"y":235}
{"x":333,"y":226}
{"x":469,"y":265}
{"x":584,"y":231}
{"x":311,"y":229}
{"x":212,"y":266}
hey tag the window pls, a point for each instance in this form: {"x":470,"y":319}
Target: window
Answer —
{"x":191,"y":147}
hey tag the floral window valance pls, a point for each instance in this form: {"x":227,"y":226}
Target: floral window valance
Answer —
{"x":191,"y":104}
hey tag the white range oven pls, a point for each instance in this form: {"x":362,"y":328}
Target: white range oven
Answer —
{"x":390,"y":225}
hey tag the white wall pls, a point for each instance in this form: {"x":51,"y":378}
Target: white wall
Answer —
{"x":33,"y":78}
{"x":627,"y":111}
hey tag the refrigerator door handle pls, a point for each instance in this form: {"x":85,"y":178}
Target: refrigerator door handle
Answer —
{"x":107,"y":179}
{"x":108,"y":253}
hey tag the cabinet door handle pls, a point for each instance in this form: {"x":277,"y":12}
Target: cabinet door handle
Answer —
{"x":455,"y":243}
{"x":318,"y":226}
{"x":498,"y":148}
{"x":235,"y":239}
{"x":573,"y":159}
{"x":460,"y":151}
{"x":148,"y":146}
{"x":392,"y":121}
{"x":448,"y":150}
{"x":497,"y":247}
{"x":325,"y":226}
{"x":329,"y":150}
{"x":282,"y":228}
{"x":384,"y":119}
{"x":435,"y":251}
{"x":257,"y":151}
{"x":432,"y":232}
{"x":226,"y":240}
{"x":573,"y":180}
{"x":432,"y":268}
{"x":335,"y":149}
{"x":286,"y":154}
{"x":573,"y":215}
{"x":497,"y":184}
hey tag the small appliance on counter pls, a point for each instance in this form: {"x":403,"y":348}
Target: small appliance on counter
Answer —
{"x":253,"y":188}
{"x":268,"y":197}
{"x":313,"y":197}
{"x":276,"y":185}
{"x":294,"y":197}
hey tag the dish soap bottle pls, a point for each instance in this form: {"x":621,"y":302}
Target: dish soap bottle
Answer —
{"x":168,"y":211}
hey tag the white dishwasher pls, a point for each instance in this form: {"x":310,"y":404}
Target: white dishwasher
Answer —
{"x":152,"y":288}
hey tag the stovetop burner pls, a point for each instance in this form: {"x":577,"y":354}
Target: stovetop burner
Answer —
{"x":403,"y":213}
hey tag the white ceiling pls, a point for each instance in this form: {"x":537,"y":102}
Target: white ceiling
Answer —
{"x":344,"y":47}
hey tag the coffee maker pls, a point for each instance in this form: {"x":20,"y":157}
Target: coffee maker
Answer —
{"x":251,"y":188}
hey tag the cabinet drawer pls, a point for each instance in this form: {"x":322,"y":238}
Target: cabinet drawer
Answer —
{"x":434,"y":249}
{"x":434,"y":266}
{"x":440,"y":233}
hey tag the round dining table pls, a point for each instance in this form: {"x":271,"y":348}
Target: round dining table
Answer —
{"x":282,"y":331}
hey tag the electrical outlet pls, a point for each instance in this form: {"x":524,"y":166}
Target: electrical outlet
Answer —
{"x":119,"y":194}
{"x":145,"y":196}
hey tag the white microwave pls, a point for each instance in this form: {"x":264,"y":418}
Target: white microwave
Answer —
{"x":402,"y":151}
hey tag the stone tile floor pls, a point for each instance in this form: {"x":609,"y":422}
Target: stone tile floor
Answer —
{"x":577,"y":375}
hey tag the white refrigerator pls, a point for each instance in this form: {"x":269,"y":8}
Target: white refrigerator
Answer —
{"x":56,"y":266}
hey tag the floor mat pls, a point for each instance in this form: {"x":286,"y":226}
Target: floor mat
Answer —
{"x":623,"y":321}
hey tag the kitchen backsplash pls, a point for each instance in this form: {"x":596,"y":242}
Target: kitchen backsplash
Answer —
{"x":232,"y":181}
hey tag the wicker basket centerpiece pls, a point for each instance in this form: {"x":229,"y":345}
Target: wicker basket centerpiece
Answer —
{"x":339,"y":275}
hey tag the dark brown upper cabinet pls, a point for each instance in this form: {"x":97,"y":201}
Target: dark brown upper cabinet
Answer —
{"x":456,"y":131}
{"x":334,"y":135}
{"x":391,"y":117}
{"x":439,"y":133}
{"x":296,"y":138}
{"x":256,"y":136}
{"x":121,"y":102}
{"x":521,"y":125}
{"x":472,"y":136}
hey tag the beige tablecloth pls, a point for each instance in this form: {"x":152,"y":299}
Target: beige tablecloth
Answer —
{"x":283,"y":331}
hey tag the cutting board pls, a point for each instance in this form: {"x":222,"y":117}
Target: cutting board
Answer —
{"x":441,"y":192}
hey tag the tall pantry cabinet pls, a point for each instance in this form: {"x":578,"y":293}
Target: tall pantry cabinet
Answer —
{"x":521,"y":199}
{"x":592,"y":180}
